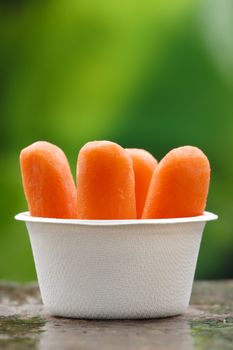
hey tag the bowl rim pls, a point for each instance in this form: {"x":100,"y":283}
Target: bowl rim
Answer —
{"x":25,"y":216}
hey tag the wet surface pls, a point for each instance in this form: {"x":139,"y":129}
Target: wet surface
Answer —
{"x":207,"y":324}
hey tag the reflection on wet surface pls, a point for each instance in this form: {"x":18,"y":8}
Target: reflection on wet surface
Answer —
{"x":118,"y":335}
{"x":207,"y":324}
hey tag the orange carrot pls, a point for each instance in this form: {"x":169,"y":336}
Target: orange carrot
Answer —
{"x":144,"y":165}
{"x":105,"y":182}
{"x":179,"y":185}
{"x":47,"y":180}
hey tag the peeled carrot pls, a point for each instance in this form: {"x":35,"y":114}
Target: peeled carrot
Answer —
{"x":47,"y":180}
{"x":144,"y":165}
{"x":179,"y":185}
{"x":105,"y":182}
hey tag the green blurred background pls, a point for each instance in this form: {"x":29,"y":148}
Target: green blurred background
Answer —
{"x":146,"y":74}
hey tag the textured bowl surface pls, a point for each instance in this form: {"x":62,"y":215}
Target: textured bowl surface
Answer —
{"x":115,"y":269}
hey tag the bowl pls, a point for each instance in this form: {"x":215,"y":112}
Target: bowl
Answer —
{"x":115,"y":269}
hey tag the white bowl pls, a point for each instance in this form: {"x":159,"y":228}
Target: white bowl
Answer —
{"x":115,"y":268}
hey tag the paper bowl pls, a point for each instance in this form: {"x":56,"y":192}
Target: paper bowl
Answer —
{"x":115,"y":268}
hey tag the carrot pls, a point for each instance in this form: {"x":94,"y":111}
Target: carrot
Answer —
{"x":144,"y":165}
{"x":47,"y":180}
{"x":179,"y":185}
{"x":105,"y":182}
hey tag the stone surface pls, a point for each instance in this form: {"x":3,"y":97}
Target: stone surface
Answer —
{"x":207,"y":324}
